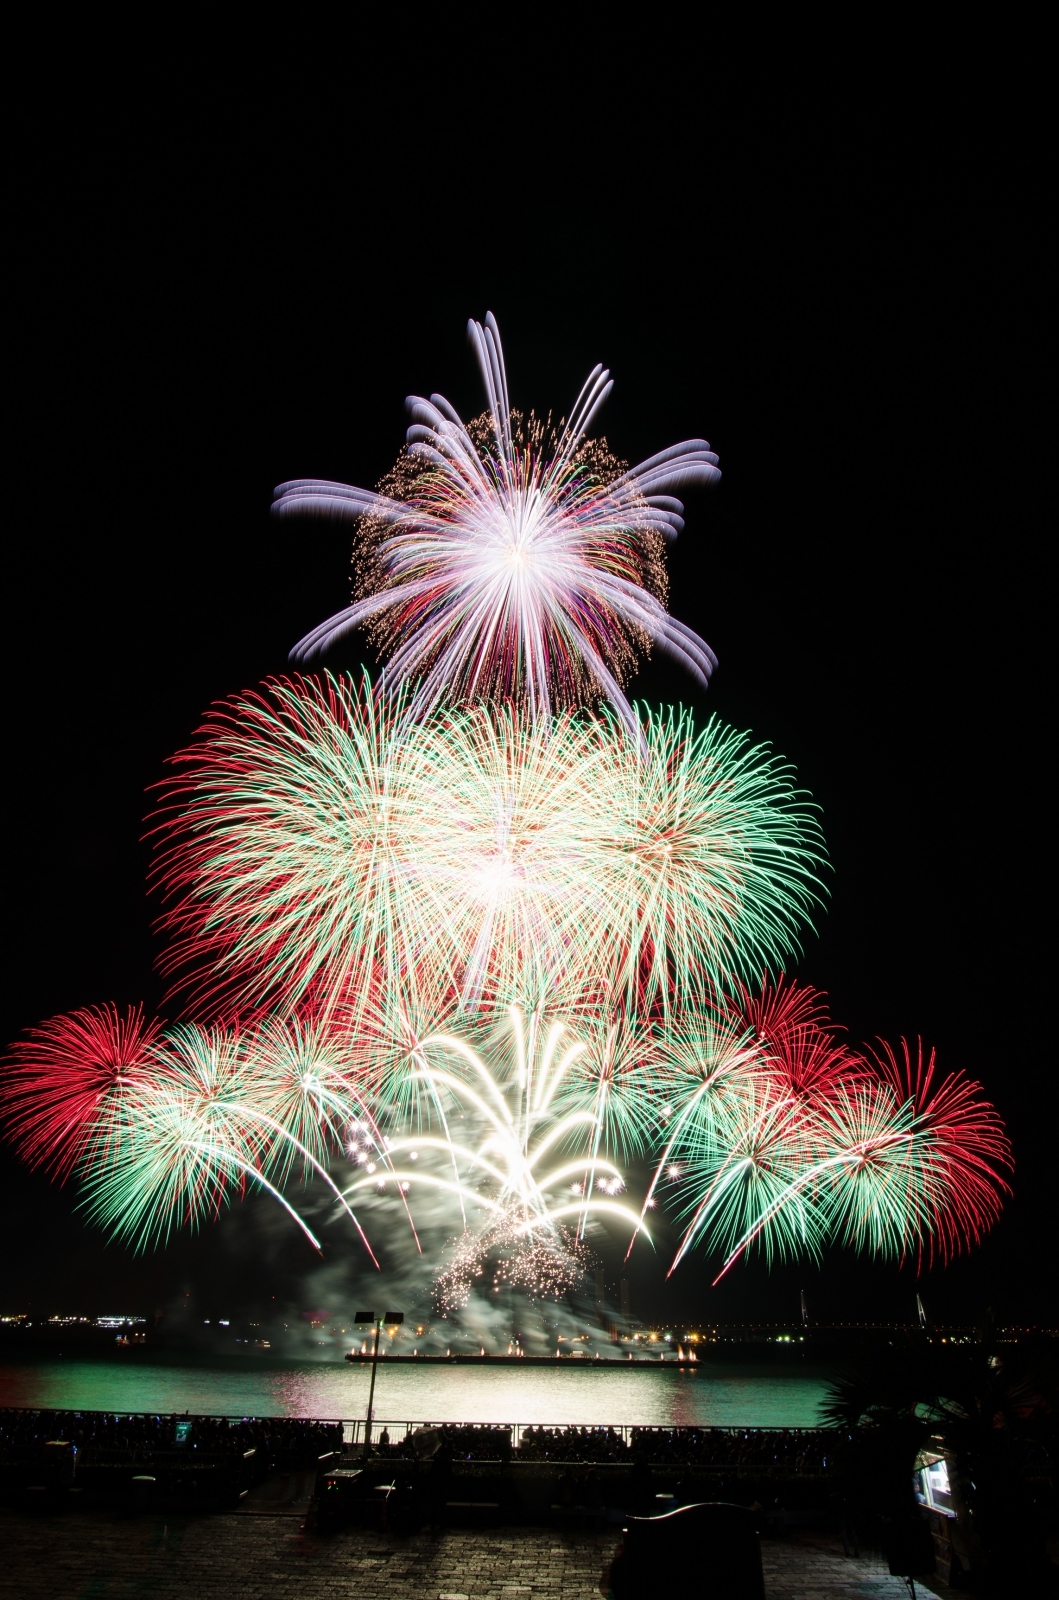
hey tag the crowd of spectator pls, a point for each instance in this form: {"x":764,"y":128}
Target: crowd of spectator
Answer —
{"x":473,"y":1442}
{"x":795,"y":1450}
{"x":572,"y":1444}
{"x":280,"y":1442}
{"x":286,"y":1443}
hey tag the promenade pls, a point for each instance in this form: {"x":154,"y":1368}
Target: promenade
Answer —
{"x":234,"y":1556}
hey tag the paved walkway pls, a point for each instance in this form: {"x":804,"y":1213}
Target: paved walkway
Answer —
{"x":104,"y":1557}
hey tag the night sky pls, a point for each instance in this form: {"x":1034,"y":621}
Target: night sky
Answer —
{"x":848,"y":307}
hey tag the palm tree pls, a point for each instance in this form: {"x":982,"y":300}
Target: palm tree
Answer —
{"x":991,"y":1410}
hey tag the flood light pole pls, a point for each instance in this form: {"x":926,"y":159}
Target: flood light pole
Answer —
{"x":391,"y":1318}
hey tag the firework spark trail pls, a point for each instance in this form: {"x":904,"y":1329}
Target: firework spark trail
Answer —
{"x":772,"y":1130}
{"x":284,"y":823}
{"x":529,"y":1104}
{"x":524,"y":1235}
{"x":886,"y":1184}
{"x":161,"y":1123}
{"x":773,"y":1134}
{"x":317,"y":1092}
{"x":954,"y":1177}
{"x":782,"y":1137}
{"x":523,"y":1120}
{"x":516,"y":560}
{"x":308,"y":847}
{"x":360,"y":881}
{"x":71,"y":1074}
{"x":713,"y":858}
{"x":707,"y":1069}
{"x":182,"y":1150}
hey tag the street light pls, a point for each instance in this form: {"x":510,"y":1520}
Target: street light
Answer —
{"x":393,"y":1317}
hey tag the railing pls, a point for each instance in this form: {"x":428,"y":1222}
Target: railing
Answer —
{"x":400,"y":1428}
{"x":277,"y":1442}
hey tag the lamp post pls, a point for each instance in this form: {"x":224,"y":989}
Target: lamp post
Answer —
{"x":388,"y":1317}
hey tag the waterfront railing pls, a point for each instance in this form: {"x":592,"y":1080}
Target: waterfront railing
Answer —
{"x":628,"y":1432}
{"x":512,"y":1436}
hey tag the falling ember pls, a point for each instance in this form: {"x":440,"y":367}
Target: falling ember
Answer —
{"x":544,"y":1268}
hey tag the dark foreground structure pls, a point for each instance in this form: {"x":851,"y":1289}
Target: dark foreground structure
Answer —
{"x":74,"y":1460}
{"x":98,"y":1504}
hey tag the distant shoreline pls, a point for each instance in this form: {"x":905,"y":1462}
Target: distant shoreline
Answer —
{"x":263,"y":1361}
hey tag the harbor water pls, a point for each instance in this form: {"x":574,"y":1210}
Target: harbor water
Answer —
{"x":584,"y":1396}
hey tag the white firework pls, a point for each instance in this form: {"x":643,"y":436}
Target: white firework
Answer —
{"x":511,"y":557}
{"x":534,"y":1177}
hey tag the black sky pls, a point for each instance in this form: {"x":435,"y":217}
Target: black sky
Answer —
{"x":847,"y":301}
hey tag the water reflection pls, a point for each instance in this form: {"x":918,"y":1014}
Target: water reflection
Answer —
{"x":710,"y":1396}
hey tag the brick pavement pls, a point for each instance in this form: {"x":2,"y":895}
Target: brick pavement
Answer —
{"x":232,"y":1557}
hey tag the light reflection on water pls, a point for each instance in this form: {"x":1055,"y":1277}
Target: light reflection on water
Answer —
{"x":710,"y":1396}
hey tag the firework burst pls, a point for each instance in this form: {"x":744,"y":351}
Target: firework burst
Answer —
{"x":768,"y":1133}
{"x":780,"y":1137}
{"x":713,"y":859}
{"x":315,"y":845}
{"x":66,"y":1084}
{"x":533,"y":1100}
{"x":510,"y":558}
{"x":467,"y":935}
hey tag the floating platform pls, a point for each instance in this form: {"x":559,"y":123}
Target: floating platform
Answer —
{"x":461,"y":1360}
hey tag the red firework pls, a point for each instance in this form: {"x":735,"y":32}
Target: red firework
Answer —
{"x":960,"y":1143}
{"x":791,"y":1023}
{"x":62,"y":1075}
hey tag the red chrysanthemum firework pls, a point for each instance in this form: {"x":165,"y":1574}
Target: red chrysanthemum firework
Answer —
{"x":64,"y":1076}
